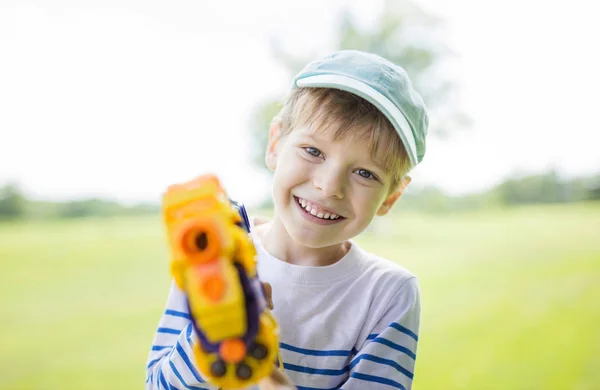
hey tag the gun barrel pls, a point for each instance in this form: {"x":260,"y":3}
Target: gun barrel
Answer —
{"x":213,"y":262}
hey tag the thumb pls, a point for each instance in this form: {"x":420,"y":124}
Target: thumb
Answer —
{"x":268,"y":294}
{"x":277,"y":381}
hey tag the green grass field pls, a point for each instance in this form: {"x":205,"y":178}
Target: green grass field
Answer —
{"x":511,"y":298}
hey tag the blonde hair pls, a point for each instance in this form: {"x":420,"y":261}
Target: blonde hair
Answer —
{"x":349,"y":116}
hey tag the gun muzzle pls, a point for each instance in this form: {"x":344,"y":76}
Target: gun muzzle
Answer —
{"x":198,"y":241}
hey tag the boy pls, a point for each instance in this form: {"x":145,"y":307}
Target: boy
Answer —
{"x":340,"y":149}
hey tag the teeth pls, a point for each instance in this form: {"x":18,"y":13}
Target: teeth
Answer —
{"x":314,"y":210}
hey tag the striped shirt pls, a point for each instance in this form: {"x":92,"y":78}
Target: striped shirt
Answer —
{"x":352,"y":325}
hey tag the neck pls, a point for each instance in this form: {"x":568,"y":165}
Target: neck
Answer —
{"x":278,"y":243}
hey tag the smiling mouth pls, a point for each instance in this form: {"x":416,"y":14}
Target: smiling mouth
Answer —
{"x":315,"y":211}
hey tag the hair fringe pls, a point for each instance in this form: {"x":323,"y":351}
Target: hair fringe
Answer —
{"x":348,"y":115}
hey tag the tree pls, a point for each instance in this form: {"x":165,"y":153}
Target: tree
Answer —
{"x":403,"y":33}
{"x":12,"y":202}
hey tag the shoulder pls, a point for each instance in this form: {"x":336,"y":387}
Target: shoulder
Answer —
{"x":388,"y":275}
{"x":391,"y":294}
{"x":390,"y":288}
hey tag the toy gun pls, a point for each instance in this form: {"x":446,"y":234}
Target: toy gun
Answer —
{"x":213,"y":261}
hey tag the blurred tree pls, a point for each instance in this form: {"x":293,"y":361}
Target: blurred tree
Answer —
{"x":403,"y":33}
{"x":98,"y":207}
{"x":86,"y":207}
{"x":542,"y":188}
{"x":593,"y":188}
{"x":12,"y":202}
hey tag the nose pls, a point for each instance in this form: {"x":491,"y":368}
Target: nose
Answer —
{"x":330,"y":181}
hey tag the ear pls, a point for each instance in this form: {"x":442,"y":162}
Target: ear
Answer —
{"x":271,"y":152}
{"x":387,"y":204}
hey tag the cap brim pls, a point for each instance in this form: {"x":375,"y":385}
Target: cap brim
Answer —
{"x":395,"y":116}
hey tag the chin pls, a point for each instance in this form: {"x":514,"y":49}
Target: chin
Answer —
{"x":310,"y":238}
{"x":315,"y":243}
{"x":304,"y":237}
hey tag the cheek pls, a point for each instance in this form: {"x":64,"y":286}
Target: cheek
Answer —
{"x":286,"y":175}
{"x":367,"y":203}
{"x":291,"y":169}
{"x":279,"y":185}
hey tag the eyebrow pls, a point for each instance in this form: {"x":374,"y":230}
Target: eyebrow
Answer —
{"x":380,"y":165}
{"x":310,"y":134}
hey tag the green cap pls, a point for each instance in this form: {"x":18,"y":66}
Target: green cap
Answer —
{"x":380,"y":82}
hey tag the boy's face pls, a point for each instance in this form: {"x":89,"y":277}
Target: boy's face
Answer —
{"x":318,"y":178}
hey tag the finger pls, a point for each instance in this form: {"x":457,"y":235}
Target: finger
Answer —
{"x":258,"y":220}
{"x":276,"y":381}
{"x":280,"y":379}
{"x":268,"y":295}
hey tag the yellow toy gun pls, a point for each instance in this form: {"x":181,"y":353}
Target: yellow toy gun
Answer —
{"x":213,"y":261}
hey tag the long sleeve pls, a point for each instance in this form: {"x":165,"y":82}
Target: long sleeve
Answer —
{"x":170,"y":362}
{"x":386,"y":360}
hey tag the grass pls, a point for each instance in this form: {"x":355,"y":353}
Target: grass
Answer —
{"x":511,"y":298}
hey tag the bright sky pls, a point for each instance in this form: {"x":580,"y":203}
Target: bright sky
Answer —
{"x":121,"y":98}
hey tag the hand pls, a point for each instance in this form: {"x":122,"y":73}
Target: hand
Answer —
{"x":277,"y":381}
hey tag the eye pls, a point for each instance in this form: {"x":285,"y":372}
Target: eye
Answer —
{"x":313,"y":151}
{"x":366,"y":174}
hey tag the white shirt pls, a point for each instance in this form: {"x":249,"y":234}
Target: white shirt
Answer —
{"x":352,"y":325}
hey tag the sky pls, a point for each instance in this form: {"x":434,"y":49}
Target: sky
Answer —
{"x":122,"y":98}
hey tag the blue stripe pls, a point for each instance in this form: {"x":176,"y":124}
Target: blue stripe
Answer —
{"x":189,"y":333}
{"x":395,"y":346}
{"x":168,"y":330}
{"x":379,"y":360}
{"x":187,"y":361}
{"x":160,"y":347}
{"x":338,"y":352}
{"x":373,"y":378}
{"x":315,"y":352}
{"x":315,"y":371}
{"x":158,"y":359}
{"x":163,"y":381}
{"x":153,"y":361}
{"x":178,"y":375}
{"x":404,"y":330}
{"x":347,"y":368}
{"x":178,"y":314}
